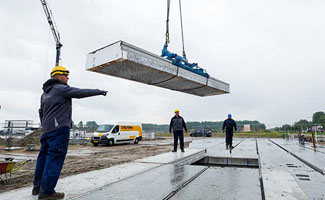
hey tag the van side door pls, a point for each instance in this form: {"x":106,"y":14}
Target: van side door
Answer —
{"x":116,"y":133}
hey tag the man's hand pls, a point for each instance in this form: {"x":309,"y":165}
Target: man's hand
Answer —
{"x":104,"y":93}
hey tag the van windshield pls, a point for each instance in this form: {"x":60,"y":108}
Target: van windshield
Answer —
{"x":104,"y":128}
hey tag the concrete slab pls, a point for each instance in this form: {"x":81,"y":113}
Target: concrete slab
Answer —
{"x":157,"y":183}
{"x":280,"y":184}
{"x":205,"y":143}
{"x":245,"y":149}
{"x":124,"y":60}
{"x":314,"y":158}
{"x":223,"y":183}
{"x":172,"y":157}
{"x":285,"y":176}
{"x":82,"y":183}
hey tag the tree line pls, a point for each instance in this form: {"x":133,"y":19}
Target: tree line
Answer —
{"x":318,"y":119}
{"x":214,"y":126}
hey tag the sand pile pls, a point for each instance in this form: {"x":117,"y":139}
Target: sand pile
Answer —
{"x":33,"y":138}
{"x":2,"y":142}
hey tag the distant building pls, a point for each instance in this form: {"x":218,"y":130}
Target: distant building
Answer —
{"x":247,"y":128}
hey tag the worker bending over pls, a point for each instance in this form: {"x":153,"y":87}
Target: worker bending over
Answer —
{"x":55,"y":115}
{"x":229,"y":124}
{"x":177,"y":123}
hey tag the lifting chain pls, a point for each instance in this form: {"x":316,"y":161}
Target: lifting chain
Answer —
{"x":167,"y":26}
{"x":181,"y":17}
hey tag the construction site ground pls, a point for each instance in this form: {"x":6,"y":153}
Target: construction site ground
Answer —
{"x":257,"y":168}
{"x":84,"y":158}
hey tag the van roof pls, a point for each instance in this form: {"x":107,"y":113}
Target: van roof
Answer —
{"x":128,"y":123}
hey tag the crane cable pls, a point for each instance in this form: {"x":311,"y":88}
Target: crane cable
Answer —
{"x":167,"y":24}
{"x":181,"y":18}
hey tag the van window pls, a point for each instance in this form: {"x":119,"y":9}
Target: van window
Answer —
{"x":116,"y":129}
{"x":104,"y":128}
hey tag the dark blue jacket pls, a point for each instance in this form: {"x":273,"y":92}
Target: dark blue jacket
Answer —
{"x":56,"y":106}
{"x":229,"y":124}
{"x":177,"y":124}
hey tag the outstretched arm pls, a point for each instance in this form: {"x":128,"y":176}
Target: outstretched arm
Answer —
{"x":72,"y":92}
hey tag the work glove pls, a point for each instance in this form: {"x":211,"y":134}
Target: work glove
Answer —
{"x":104,"y":93}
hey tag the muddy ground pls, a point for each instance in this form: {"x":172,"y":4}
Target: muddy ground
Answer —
{"x":84,"y":158}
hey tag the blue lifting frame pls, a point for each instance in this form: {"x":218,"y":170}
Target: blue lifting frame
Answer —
{"x":182,"y":62}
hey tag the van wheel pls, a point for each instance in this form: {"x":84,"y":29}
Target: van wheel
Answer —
{"x":111,"y":142}
{"x":136,"y":140}
{"x":95,"y":144}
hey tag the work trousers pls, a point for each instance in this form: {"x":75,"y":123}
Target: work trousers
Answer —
{"x":180,"y":135}
{"x":229,"y":138}
{"x":54,"y":147}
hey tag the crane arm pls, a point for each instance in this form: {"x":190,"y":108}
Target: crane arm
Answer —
{"x":53,"y":28}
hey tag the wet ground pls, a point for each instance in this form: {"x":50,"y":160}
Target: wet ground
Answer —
{"x":84,"y":158}
{"x":254,"y":169}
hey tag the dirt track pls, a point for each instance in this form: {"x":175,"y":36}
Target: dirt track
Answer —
{"x":84,"y":158}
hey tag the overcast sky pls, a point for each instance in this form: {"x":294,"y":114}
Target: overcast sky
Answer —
{"x":270,"y":52}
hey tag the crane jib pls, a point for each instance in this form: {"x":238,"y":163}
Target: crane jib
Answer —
{"x":54,"y":30}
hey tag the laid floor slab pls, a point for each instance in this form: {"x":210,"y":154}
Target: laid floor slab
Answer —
{"x":157,"y":184}
{"x":223,"y":183}
{"x":82,"y":183}
{"x":171,"y":157}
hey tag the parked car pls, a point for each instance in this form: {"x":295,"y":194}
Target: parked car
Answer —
{"x":201,"y":133}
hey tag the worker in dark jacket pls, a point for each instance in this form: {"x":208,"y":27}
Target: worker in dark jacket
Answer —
{"x":55,"y":114}
{"x":177,"y":123}
{"x":230,"y":125}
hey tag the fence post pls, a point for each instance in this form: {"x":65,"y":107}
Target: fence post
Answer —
{"x":313,"y":138}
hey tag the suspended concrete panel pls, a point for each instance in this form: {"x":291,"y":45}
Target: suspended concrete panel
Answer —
{"x":123,"y":60}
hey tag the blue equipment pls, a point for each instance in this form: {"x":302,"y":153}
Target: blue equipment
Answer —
{"x":176,"y":59}
{"x":182,"y":62}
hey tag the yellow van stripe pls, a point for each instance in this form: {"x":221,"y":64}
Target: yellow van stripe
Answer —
{"x":131,"y":128}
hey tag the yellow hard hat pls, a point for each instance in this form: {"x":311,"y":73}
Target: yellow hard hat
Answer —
{"x":59,"y":70}
{"x":176,"y":110}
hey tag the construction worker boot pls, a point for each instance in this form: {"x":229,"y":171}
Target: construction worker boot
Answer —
{"x":35,"y":191}
{"x":54,"y":196}
{"x":183,"y":150}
